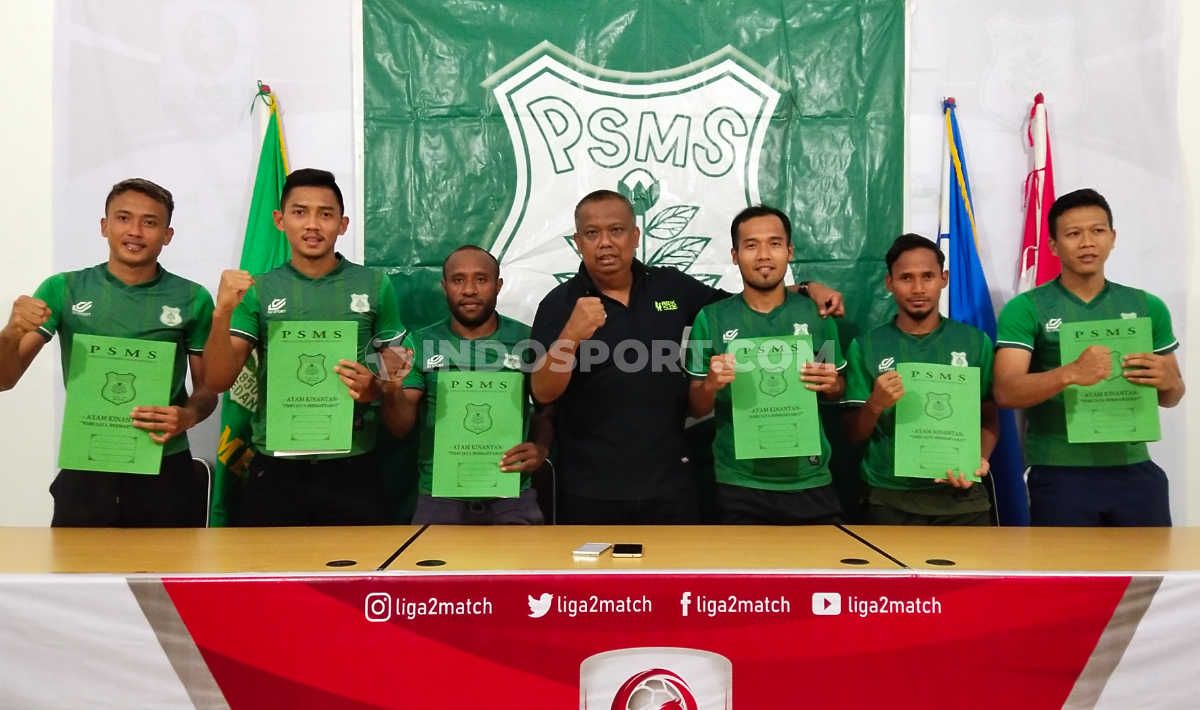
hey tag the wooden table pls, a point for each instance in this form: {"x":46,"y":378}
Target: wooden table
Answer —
{"x":1037,"y":549}
{"x":471,"y":548}
{"x":198,"y":550}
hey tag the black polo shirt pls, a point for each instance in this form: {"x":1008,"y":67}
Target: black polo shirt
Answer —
{"x":619,"y":424}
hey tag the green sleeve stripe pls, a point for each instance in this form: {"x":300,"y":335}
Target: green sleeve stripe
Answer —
{"x":1170,"y":347}
{"x":698,"y":375}
{"x":855,"y":402}
{"x":1013,"y":344}
{"x":47,"y":334}
{"x":244,"y":335}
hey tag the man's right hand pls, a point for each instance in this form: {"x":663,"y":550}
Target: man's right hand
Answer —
{"x":234,"y":284}
{"x":28,"y":314}
{"x":1093,"y":365}
{"x":585,"y":320}
{"x":888,"y":390}
{"x":721,"y":371}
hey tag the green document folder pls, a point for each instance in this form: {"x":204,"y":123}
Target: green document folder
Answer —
{"x":478,"y":417}
{"x":1115,"y":409}
{"x":309,"y":409}
{"x":774,"y":414}
{"x":937,"y":421}
{"x":107,"y":378}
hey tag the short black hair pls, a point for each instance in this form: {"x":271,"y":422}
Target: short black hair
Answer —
{"x":311,"y":177}
{"x":601,"y":196}
{"x":1087,"y":197}
{"x":908,"y":242}
{"x":153,"y":190}
{"x":471,"y":247}
{"x":755,"y":211}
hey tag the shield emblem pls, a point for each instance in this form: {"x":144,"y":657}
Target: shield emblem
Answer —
{"x":312,"y":370}
{"x":682,"y":144}
{"x":170,"y":316}
{"x":772,"y":382}
{"x":359,"y":303}
{"x":958,"y":359}
{"x":937,"y":406}
{"x":118,"y":387}
{"x":478,"y":418}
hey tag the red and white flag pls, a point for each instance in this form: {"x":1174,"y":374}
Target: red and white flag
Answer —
{"x":1038,"y":263}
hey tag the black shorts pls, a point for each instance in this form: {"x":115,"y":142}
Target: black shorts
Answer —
{"x":738,"y":505}
{"x":286,"y":491}
{"x":176,"y":498}
{"x":680,"y":508}
{"x":1134,"y":495}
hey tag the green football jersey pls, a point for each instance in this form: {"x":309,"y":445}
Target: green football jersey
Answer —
{"x":166,"y":308}
{"x":437,"y":348}
{"x":881,"y":350}
{"x":1032,"y":321}
{"x":715,"y":327}
{"x":348,"y":293}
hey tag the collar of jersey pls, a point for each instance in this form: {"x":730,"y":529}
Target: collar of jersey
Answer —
{"x":337,"y":268}
{"x":923,"y":336}
{"x":158,"y":274}
{"x":787,"y":296}
{"x":1067,"y":292}
{"x":589,"y":286}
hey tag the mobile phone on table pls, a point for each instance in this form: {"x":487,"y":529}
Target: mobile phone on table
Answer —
{"x":591,"y":549}
{"x":627,"y":549}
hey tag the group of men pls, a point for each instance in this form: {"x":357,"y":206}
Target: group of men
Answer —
{"x":618,"y":357}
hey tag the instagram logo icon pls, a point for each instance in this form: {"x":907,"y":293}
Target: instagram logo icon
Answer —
{"x":378,"y":607}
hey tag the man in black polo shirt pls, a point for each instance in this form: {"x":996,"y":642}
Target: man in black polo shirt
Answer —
{"x":612,"y":367}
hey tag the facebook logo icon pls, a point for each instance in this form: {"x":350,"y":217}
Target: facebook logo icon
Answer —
{"x":826,"y":603}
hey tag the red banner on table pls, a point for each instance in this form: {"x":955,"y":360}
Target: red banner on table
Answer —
{"x":648,"y":641}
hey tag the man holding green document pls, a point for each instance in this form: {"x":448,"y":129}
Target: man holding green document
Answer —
{"x":921,"y":385}
{"x":129,"y":332}
{"x":760,"y":359}
{"x":1091,"y":361}
{"x":314,"y":321}
{"x":467,"y":384}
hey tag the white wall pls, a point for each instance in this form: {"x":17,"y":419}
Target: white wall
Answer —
{"x":28,"y":436}
{"x":163,"y":89}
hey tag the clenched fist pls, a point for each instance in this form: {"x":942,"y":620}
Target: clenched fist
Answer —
{"x":585,"y":320}
{"x":28,"y":314}
{"x":888,"y":390}
{"x":234,"y":284}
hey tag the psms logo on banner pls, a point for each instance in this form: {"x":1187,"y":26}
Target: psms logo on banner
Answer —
{"x":682,"y":144}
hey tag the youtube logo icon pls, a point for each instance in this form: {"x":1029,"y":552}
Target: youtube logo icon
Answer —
{"x":826,"y":603}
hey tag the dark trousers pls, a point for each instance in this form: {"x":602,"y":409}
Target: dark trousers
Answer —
{"x":176,"y":498}
{"x":1131,"y":495}
{"x":681,"y":508}
{"x":878,"y":514}
{"x":522,"y":510}
{"x":738,"y":505}
{"x":286,"y":491}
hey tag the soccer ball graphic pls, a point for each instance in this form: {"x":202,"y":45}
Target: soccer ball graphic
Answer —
{"x":655,"y":689}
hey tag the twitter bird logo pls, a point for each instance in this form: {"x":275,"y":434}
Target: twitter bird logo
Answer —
{"x":540,"y":606}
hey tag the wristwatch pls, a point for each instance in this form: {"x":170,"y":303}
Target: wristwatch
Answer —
{"x":802,"y":287}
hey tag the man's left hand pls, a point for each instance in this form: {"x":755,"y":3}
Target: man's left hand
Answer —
{"x":168,"y":422}
{"x":526,"y":457}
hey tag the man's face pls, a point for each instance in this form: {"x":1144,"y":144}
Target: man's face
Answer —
{"x":763,"y":252}
{"x":312,"y":221}
{"x":135,"y":226}
{"x":916,"y":281}
{"x":1083,"y":239}
{"x":606,"y":237}
{"x":471,"y":285}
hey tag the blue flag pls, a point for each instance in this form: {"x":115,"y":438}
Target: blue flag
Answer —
{"x":970,"y":302}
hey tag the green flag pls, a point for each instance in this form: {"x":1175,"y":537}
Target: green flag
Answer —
{"x":263,"y":249}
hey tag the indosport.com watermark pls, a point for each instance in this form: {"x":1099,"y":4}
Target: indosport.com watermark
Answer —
{"x":629,"y":356}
